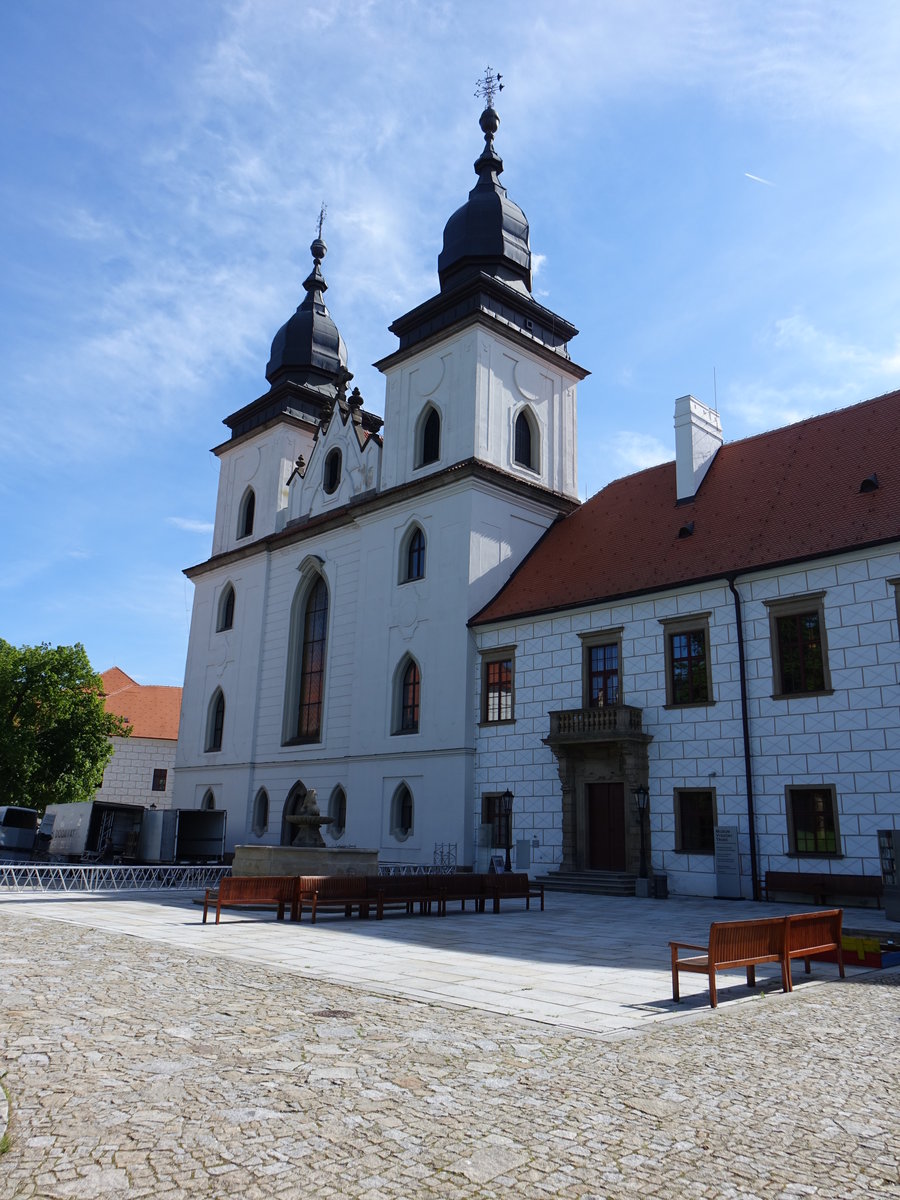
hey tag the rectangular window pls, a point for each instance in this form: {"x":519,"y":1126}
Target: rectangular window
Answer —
{"x":895,"y":584}
{"x":812,"y":820}
{"x":603,"y":672}
{"x":491,"y":815}
{"x":687,"y":660}
{"x":602,"y":667}
{"x":159,"y":779}
{"x":695,"y":821}
{"x":497,"y":674}
{"x":799,"y":655}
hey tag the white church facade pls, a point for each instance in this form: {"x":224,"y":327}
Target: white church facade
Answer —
{"x":413,"y":616}
{"x":329,"y":645}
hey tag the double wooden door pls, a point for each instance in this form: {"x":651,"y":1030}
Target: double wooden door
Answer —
{"x":605,"y":805}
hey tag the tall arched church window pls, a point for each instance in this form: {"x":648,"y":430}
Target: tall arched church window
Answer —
{"x":402,"y":813}
{"x":407,"y":707}
{"x":246,"y":514}
{"x":414,"y":566}
{"x":261,"y":812}
{"x":430,"y":449}
{"x":312,"y":664}
{"x":226,"y":609}
{"x":524,"y":439}
{"x":215,"y":723}
{"x":332,"y":479}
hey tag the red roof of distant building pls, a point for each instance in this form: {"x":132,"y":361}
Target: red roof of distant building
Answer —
{"x":783,"y":496}
{"x":152,"y":711}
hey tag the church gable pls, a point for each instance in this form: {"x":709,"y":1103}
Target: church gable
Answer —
{"x":344,"y":464}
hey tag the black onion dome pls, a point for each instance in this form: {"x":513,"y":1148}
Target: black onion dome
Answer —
{"x":490,"y":232}
{"x":308,"y":349}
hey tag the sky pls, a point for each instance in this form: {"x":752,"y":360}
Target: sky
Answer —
{"x":712,"y":187}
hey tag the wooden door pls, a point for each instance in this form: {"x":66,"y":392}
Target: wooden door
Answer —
{"x":605,"y":804}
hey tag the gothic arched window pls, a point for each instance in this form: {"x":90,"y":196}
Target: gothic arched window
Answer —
{"x":430,"y":438}
{"x":261,"y":812}
{"x":413,"y":566}
{"x":407,"y":698}
{"x":226,"y":609}
{"x":524,"y":439}
{"x":312,"y":664}
{"x":402,"y":813}
{"x":215,"y":722}
{"x":246,"y":514}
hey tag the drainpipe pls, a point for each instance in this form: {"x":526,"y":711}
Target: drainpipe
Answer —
{"x":745,"y":722}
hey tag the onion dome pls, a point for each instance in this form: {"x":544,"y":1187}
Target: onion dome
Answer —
{"x":490,"y":232}
{"x":308,"y":349}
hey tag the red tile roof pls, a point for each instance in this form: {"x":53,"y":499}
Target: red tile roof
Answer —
{"x":152,"y":711}
{"x":783,"y":496}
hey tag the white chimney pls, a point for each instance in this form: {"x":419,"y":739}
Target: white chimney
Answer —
{"x":698,"y":435}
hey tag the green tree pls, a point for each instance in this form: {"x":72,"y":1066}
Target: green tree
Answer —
{"x":54,"y":728}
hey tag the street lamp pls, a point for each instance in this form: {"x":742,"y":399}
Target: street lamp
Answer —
{"x":506,"y":803}
{"x":642,"y":799}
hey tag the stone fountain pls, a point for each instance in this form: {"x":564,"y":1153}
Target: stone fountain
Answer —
{"x":307,"y":854}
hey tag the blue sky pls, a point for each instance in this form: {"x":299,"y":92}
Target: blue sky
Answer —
{"x":713,"y":192}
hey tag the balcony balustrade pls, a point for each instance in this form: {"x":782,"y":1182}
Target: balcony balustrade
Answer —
{"x":611,"y":723}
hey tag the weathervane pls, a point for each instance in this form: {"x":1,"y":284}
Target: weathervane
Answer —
{"x":322,"y":211}
{"x":488,"y":86}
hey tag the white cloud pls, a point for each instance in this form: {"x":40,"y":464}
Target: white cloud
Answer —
{"x":189,"y":525}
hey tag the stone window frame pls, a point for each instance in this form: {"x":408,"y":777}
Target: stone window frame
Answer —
{"x":215,"y":722}
{"x":406,"y":706}
{"x":399,"y":831}
{"x":260,"y":819}
{"x":687,"y":623}
{"x":429,"y":436}
{"x":788,"y":606}
{"x":611,"y":636}
{"x":413,"y":554}
{"x":158,"y":783}
{"x":332,"y":471}
{"x":495,"y":655}
{"x":337,"y":809}
{"x":831,"y":791}
{"x":297,"y":679}
{"x":678,"y":795}
{"x":225,"y":609}
{"x":895,"y":584}
{"x":246,"y":514}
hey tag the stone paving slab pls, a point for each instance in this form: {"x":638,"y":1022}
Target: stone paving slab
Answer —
{"x":598,"y":964}
{"x":142,"y":1066}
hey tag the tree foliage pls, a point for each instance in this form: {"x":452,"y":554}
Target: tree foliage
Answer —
{"x":54,"y":728}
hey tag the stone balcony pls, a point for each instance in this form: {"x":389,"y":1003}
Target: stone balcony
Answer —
{"x":613,"y":723}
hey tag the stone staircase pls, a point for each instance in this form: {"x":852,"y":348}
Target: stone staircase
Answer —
{"x":596,"y":883}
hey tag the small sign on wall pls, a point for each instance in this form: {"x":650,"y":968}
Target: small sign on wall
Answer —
{"x":497,"y":864}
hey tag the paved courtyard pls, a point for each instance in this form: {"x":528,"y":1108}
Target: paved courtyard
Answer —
{"x":518,"y":1055}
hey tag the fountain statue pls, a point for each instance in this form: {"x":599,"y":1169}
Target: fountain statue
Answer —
{"x":308,"y":821}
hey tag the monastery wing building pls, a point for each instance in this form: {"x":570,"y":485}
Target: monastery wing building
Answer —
{"x":415,"y":616}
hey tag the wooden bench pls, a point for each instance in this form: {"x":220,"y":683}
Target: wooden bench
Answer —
{"x":822,"y":884}
{"x":344,"y":892}
{"x":733,"y":944}
{"x":254,"y":891}
{"x":402,"y":891}
{"x":809,"y":935}
{"x":513,"y":885}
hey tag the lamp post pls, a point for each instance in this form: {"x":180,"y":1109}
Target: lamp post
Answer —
{"x":642,"y":799}
{"x":506,"y":803}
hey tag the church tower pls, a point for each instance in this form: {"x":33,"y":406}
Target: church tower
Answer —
{"x":483,"y":373}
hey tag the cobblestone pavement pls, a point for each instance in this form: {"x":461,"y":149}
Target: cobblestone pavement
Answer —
{"x":139,"y":1068}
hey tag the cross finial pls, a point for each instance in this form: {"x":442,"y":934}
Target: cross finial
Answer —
{"x":322,"y":211}
{"x":488,"y":86}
